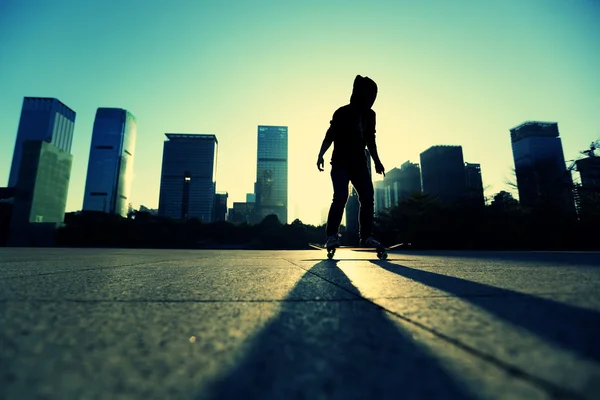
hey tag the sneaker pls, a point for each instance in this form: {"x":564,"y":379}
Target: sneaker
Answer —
{"x":332,"y":241}
{"x":370,"y":242}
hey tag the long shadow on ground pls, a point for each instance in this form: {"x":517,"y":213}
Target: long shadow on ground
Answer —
{"x":532,"y":258}
{"x":572,"y":328}
{"x":337,"y":349}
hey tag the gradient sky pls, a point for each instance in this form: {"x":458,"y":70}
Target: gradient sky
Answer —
{"x":449,"y":72}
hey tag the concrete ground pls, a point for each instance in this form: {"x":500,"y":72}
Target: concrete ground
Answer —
{"x":185,"y":324}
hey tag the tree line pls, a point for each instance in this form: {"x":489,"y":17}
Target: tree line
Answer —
{"x":421,"y":220}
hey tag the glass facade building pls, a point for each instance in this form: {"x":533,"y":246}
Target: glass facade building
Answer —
{"x":188,"y":177}
{"x":443,"y":173}
{"x":398,"y":184}
{"x":589,"y":190}
{"x":543,"y":180}
{"x":272,"y":173}
{"x":110,"y":167}
{"x":41,"y":193}
{"x":45,"y":119}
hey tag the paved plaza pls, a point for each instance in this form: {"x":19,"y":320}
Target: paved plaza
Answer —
{"x":211,"y":324}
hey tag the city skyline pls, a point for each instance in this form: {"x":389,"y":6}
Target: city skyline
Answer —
{"x":446,"y":75}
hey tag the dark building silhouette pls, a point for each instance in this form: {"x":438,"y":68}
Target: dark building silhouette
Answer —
{"x":41,"y":194}
{"x":148,"y":210}
{"x":474,"y":185}
{"x":42,"y":119}
{"x":543,"y":181}
{"x":379,"y":192}
{"x":272,"y":173}
{"x":7,"y":195}
{"x":220,"y":207}
{"x":110,"y":166}
{"x":187,"y":185}
{"x":589,"y":190}
{"x":352,"y":211}
{"x":443,"y":173}
{"x":398,"y":184}
{"x":240,"y":213}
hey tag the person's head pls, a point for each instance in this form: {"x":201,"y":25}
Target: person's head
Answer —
{"x":364,"y":92}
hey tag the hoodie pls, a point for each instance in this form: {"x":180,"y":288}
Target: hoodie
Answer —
{"x":352,"y":127}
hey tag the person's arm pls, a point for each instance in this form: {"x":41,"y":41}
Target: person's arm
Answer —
{"x":324,"y":147}
{"x":372,"y":147}
{"x":329,"y":137}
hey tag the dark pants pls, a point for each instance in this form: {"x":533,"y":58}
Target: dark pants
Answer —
{"x":361,"y":180}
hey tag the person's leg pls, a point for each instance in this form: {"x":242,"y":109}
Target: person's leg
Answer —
{"x":340,"y":180}
{"x":361,"y":180}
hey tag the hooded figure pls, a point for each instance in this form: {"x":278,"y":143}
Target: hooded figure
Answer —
{"x":364,"y":92}
{"x":352,"y":130}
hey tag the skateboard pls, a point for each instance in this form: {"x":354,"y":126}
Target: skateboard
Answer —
{"x":381,"y":251}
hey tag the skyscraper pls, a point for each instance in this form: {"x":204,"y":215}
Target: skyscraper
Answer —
{"x":220,"y":207}
{"x":45,"y":119}
{"x":110,"y":166}
{"x":589,"y":191}
{"x":41,"y":193}
{"x":443,"y":173}
{"x":474,"y":184}
{"x":188,"y":178}
{"x":352,"y":211}
{"x":398,"y":184}
{"x":543,"y":180}
{"x":272,"y":173}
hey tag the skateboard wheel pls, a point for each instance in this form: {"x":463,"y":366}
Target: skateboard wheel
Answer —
{"x":382,"y":256}
{"x":330,"y":255}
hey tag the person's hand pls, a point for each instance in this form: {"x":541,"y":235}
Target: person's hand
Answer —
{"x":379,"y":168}
{"x":321,"y":163}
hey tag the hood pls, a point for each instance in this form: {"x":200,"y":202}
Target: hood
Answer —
{"x":364,"y":92}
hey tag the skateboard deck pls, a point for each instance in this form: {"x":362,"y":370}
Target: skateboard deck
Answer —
{"x":381,"y":251}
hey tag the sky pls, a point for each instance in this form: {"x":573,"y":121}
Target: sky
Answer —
{"x":457,"y":72}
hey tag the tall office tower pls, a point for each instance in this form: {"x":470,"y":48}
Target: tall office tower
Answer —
{"x":45,"y":119}
{"x":41,"y":193}
{"x":400,"y":183}
{"x":391,"y":188}
{"x":110,"y":167}
{"x":543,"y":180}
{"x":443,"y":173}
{"x":272,"y":173}
{"x":379,"y":193}
{"x":188,"y":178}
{"x":220,"y":207}
{"x":241,"y":213}
{"x":474,"y":184}
{"x":589,"y":191}
{"x":353,"y":209}
{"x":410,"y":179}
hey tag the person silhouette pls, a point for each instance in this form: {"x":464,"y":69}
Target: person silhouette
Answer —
{"x":352,"y":128}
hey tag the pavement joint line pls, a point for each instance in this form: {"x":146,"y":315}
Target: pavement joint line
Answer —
{"x":555,"y":391}
{"x":78,"y":270}
{"x":6,"y":301}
